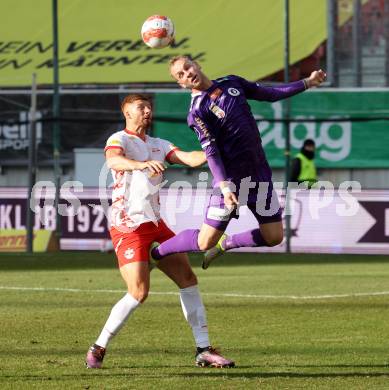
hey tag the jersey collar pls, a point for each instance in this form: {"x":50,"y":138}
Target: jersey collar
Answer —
{"x":135,"y":134}
{"x":210,"y":89}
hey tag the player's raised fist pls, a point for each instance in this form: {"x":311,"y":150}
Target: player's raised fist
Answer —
{"x":316,"y":78}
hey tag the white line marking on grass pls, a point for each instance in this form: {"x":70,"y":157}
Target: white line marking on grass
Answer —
{"x":293,"y":297}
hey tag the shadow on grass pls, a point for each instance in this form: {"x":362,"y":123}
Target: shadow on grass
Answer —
{"x":87,"y":259}
{"x":255,"y":259}
{"x":40,"y":350}
{"x":343,"y":366}
{"x":233,"y":373}
{"x":236,"y":373}
{"x":56,"y":261}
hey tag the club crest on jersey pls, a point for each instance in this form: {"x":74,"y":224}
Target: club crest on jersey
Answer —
{"x":129,"y":253}
{"x":217,"y":110}
{"x":233,"y":92}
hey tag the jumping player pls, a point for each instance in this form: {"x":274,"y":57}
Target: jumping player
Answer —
{"x":228,"y":133}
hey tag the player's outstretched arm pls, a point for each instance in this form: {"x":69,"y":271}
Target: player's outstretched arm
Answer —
{"x":116,"y":161}
{"x":192,"y":159}
{"x":259,"y":92}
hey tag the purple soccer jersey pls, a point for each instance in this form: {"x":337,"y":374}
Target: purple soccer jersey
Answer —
{"x":227,"y":131}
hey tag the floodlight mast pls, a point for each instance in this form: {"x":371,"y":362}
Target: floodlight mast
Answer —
{"x":56,"y":123}
{"x":286,"y":114}
{"x":32,"y":166}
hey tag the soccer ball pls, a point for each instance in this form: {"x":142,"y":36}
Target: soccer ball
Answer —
{"x":157,"y":31}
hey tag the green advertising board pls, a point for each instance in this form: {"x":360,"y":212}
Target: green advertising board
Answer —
{"x":346,"y":140}
{"x":100,"y":42}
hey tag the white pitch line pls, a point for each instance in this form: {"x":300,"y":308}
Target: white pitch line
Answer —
{"x":293,"y":297}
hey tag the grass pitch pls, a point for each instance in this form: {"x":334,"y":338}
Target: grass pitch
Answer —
{"x":289,"y":322}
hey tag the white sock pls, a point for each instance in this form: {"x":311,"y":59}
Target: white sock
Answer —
{"x":119,"y":314}
{"x":194,"y":312}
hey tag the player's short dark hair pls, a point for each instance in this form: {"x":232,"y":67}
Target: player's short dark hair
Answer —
{"x":134,"y":97}
{"x":309,"y":142}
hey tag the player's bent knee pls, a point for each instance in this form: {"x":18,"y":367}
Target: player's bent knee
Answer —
{"x":187,"y":280}
{"x":274,"y":240}
{"x":191,"y":279}
{"x":207,"y":243}
{"x":143,"y":296}
{"x":139,"y":294}
{"x":203,"y":246}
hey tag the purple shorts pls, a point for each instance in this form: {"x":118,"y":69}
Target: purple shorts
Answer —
{"x":263,"y":204}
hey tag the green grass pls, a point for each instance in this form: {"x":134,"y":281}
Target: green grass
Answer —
{"x":277,"y":342}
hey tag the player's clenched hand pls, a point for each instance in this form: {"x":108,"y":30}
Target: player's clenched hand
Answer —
{"x":230,"y":200}
{"x":316,"y":78}
{"x":156,"y":167}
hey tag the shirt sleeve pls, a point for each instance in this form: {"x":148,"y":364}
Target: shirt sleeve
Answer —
{"x":168,"y":149}
{"x":208,"y":144}
{"x":114,"y":142}
{"x":256,"y":91}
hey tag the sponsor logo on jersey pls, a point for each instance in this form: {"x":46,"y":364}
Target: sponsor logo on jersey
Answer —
{"x":233,"y":92}
{"x":197,"y":131}
{"x":114,"y":142}
{"x":202,"y":126}
{"x":217,"y":111}
{"x":215,"y":94}
{"x":155,"y":150}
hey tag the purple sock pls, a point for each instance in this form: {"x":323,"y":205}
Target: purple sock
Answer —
{"x":250,"y":238}
{"x":185,"y":241}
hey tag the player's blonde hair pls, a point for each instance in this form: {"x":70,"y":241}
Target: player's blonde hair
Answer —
{"x":173,"y":60}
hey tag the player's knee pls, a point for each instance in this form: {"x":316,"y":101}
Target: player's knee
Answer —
{"x":190,"y":279}
{"x":206,"y":243}
{"x":274,"y":239}
{"x":204,"y":246}
{"x":186,"y":279}
{"x":140,"y":293}
{"x":143,"y":296}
